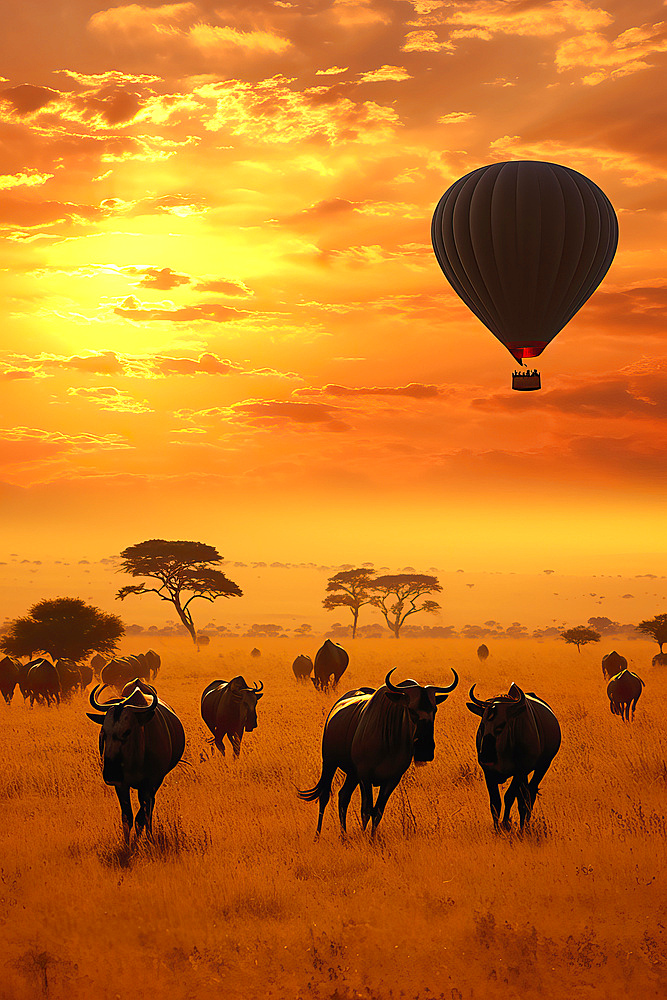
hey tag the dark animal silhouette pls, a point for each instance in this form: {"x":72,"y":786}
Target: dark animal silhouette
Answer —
{"x":482,"y":653}
{"x":623,"y":692}
{"x":69,"y":676}
{"x":43,"y":683}
{"x":331,"y":662}
{"x":117,"y":672}
{"x":659,"y":660}
{"x":153,"y":661}
{"x":302,"y":667}
{"x":141,"y":741}
{"x":98,"y":662}
{"x":24,"y":670}
{"x":229,"y":708}
{"x":255,"y":652}
{"x":518,"y":734}
{"x":613,"y":663}
{"x":86,"y":673}
{"x":9,"y":677}
{"x":373,"y":736}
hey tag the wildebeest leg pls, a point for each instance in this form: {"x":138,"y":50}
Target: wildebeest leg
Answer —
{"x":344,"y":796}
{"x":378,"y":810}
{"x":523,"y":803}
{"x":145,"y":814}
{"x":366,"y":802}
{"x":494,"y":798}
{"x":324,"y":784}
{"x":123,"y":793}
{"x":235,"y":740}
{"x":510,"y":796}
{"x":534,"y":783}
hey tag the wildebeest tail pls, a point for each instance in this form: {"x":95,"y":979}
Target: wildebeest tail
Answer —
{"x":322,"y":786}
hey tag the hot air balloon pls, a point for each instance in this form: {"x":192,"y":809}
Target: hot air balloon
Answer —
{"x":524,"y":243}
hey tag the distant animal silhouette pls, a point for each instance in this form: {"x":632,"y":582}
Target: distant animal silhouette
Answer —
{"x":141,"y":741}
{"x":518,"y":733}
{"x":331,"y":662}
{"x":659,"y":660}
{"x":373,"y":737}
{"x":623,"y":692}
{"x":613,"y":663}
{"x":302,"y":667}
{"x":229,"y":708}
{"x":43,"y":683}
{"x":255,"y":652}
{"x":9,"y":677}
{"x":482,"y":653}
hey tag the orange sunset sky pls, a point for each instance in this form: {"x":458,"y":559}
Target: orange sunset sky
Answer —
{"x":221,"y":316}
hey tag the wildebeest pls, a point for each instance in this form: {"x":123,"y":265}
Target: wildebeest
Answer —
{"x":613,"y":663}
{"x":331,"y":661}
{"x":153,"y":661}
{"x":69,"y":676}
{"x":255,"y":652}
{"x":86,"y":673}
{"x":373,"y":736}
{"x":43,"y":683}
{"x":302,"y":667}
{"x":229,"y":708}
{"x":623,"y":692}
{"x":518,"y":733}
{"x":122,"y":669}
{"x":9,"y":677}
{"x":482,"y":653}
{"x":141,"y":741}
{"x":97,"y":663}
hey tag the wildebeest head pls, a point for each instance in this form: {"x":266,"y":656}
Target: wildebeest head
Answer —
{"x":496,"y":733}
{"x":122,"y":737}
{"x":421,"y":704}
{"x":247,"y":698}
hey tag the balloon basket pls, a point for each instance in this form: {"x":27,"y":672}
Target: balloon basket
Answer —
{"x":526,"y":381}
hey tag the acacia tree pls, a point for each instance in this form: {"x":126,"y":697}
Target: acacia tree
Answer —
{"x":63,"y":628}
{"x":396,"y":597}
{"x":179,"y":568}
{"x":580,"y":636}
{"x":656,"y":628}
{"x":351,"y":588}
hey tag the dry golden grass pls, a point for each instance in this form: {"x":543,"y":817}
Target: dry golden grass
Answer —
{"x":234,"y":898}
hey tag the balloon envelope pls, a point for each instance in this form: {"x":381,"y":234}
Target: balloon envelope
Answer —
{"x":524,"y":243}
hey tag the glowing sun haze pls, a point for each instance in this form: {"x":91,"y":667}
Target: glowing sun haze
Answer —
{"x":221,"y":315}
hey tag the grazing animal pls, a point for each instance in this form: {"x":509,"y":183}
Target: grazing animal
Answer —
{"x":97,"y":663}
{"x":613,"y":663}
{"x":86,"y":673}
{"x":302,"y":667}
{"x":518,"y":733}
{"x":24,"y":670}
{"x":43,"y":682}
{"x":153,"y":661}
{"x":482,"y":653}
{"x":373,"y":736}
{"x":9,"y":677}
{"x":623,"y":692}
{"x":141,"y":741}
{"x":331,"y":661}
{"x":255,"y":652}
{"x":659,"y":660}
{"x":121,"y":669}
{"x":229,"y":708}
{"x":69,"y":676}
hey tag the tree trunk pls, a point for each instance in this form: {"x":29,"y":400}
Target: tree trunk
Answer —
{"x":355,"y":618}
{"x":187,"y":622}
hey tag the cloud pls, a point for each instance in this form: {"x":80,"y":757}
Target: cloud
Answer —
{"x":284,"y":412}
{"x":455,"y":118}
{"x":110,"y":398}
{"x":385,"y":73}
{"x":27,"y":98}
{"x":33,"y":179}
{"x":425,"y":41}
{"x":603,"y":58}
{"x":224,"y":286}
{"x":161,"y":278}
{"x":207,"y":364}
{"x":210,"y":312}
{"x":332,"y":71}
{"x":26,"y":445}
{"x":413,"y":391}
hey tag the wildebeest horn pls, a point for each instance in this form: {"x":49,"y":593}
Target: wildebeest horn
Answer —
{"x":389,"y":685}
{"x":446,"y":690}
{"x":144,"y":708}
{"x":102,"y":706}
{"x":255,"y":689}
{"x":474,"y":700}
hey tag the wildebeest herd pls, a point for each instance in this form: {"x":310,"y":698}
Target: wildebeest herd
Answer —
{"x":371,"y":735}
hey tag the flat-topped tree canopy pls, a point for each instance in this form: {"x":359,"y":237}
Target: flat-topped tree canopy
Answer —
{"x":181,"y":568}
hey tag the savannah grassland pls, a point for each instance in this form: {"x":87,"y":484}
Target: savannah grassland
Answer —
{"x":235,"y":900}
